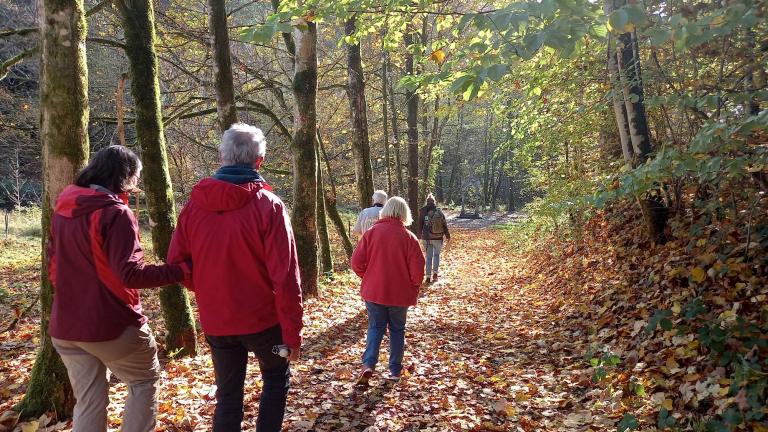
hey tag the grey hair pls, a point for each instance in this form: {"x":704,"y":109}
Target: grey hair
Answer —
{"x":379,"y":197}
{"x":242,"y":144}
{"x":397,"y":208}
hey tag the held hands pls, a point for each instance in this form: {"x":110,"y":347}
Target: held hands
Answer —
{"x":294,"y":355}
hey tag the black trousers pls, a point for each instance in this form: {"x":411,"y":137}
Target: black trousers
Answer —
{"x":230,"y":360}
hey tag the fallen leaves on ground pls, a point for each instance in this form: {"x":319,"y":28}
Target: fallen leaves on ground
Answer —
{"x":505,"y":341}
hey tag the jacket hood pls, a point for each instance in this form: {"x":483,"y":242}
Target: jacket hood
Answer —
{"x":75,"y":201}
{"x":217,"y":195}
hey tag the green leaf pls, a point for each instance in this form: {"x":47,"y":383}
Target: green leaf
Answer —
{"x":497,"y":72}
{"x":628,"y":423}
{"x":618,"y":20}
{"x":665,"y":419}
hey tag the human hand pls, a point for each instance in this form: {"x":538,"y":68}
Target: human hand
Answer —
{"x":295,"y":354}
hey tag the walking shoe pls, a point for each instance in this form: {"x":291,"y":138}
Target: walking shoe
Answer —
{"x":427,"y":280}
{"x":392,"y":377}
{"x":434,"y":277}
{"x":364,"y":377}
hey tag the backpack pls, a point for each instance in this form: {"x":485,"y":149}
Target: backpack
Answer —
{"x":435,"y":222}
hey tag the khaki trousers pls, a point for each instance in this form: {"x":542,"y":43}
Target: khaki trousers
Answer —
{"x":132,"y":357}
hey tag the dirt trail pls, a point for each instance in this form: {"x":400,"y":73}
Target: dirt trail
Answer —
{"x":485,"y":354}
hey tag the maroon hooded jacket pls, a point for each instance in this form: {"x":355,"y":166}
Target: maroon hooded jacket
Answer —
{"x":97,"y":265}
{"x":246,"y":275}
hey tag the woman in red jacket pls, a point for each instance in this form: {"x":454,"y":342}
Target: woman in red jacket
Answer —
{"x":97,"y":266}
{"x":391,"y":265}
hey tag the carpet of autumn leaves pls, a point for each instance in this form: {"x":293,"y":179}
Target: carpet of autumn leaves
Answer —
{"x":556,"y":338}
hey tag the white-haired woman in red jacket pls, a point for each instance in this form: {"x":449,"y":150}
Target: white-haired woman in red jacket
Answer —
{"x":390,"y":262}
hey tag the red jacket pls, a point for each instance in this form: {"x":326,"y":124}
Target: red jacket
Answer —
{"x":389,"y":260}
{"x":96,"y":265}
{"x":246,"y":273}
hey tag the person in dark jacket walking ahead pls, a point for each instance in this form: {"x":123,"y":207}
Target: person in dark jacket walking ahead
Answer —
{"x":432,"y":228}
{"x":246,"y":278}
{"x":97,"y":266}
{"x":389,"y":261}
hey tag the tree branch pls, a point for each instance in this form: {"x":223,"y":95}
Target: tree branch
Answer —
{"x":18,"y":58}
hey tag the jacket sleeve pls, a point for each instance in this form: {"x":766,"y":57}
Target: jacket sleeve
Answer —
{"x":282,"y":264}
{"x":447,"y":233}
{"x":179,"y":251}
{"x":358,"y":228}
{"x":359,"y":261}
{"x":126,"y":258}
{"x":419,"y":224}
{"x":51,"y":250}
{"x":416,"y":262}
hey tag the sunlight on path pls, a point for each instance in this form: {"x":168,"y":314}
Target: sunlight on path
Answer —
{"x":481,"y":355}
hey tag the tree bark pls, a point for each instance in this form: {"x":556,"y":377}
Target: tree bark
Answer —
{"x":632,"y":89}
{"x":619,"y":111}
{"x":222,"y":64}
{"x":304,"y":215}
{"x":330,"y":204}
{"x":64,"y":139}
{"x":384,"y":105}
{"x":412,"y":101}
{"x":361,"y":148}
{"x":139,"y":27}
{"x":326,"y":260}
{"x":396,"y":136}
{"x":434,"y":142}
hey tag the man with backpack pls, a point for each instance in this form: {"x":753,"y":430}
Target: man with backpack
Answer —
{"x":432,"y":228}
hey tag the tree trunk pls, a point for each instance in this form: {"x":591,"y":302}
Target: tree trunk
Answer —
{"x":412,"y":101}
{"x":64,"y":139}
{"x":139,"y":27}
{"x":326,"y":260}
{"x":361,"y":148}
{"x":396,"y":136}
{"x":384,"y":104}
{"x":222,"y":64}
{"x":434,"y":140}
{"x":330,"y":204}
{"x":632,"y":88}
{"x":304,"y":215}
{"x":619,"y":111}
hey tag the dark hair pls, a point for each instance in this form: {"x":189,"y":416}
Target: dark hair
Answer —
{"x":111,"y":167}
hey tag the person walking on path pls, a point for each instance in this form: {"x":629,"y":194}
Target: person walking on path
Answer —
{"x":246,"y":279}
{"x":97,"y":267}
{"x":389,"y":261}
{"x":369,"y":216}
{"x":432,"y":228}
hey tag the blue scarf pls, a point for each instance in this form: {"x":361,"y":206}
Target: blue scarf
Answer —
{"x":238,"y":174}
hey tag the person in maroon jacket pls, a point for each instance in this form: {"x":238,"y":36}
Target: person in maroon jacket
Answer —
{"x":388,"y":258}
{"x":246,"y":279}
{"x":96,"y":265}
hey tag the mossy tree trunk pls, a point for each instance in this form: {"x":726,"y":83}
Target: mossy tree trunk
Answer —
{"x":64,"y":135}
{"x":412,"y":101}
{"x":139,"y":27}
{"x":304,"y":215}
{"x":361,"y":147}
{"x":222,"y":64}
{"x":326,"y":260}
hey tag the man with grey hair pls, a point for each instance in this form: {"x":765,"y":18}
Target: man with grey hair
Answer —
{"x":370,"y":215}
{"x":245,"y":278}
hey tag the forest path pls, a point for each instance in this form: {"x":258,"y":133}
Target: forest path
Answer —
{"x":483,"y":353}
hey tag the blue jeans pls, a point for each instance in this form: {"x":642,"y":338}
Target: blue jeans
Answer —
{"x":230,"y":360}
{"x":432,"y":249}
{"x":380,"y":318}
